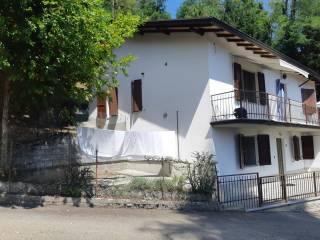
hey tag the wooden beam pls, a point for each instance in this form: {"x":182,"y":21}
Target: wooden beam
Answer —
{"x":253,"y":48}
{"x":260,"y":52}
{"x":198,"y":31}
{"x":245,"y":44}
{"x":225,"y":35}
{"x":235,"y":40}
{"x":268,"y":56}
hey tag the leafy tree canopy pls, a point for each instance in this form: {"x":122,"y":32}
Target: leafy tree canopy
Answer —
{"x":56,"y":49}
{"x":200,"y":8}
{"x":147,"y":9}
{"x":246,"y":15}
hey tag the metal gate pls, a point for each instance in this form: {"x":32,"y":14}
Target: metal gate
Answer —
{"x":252,"y":191}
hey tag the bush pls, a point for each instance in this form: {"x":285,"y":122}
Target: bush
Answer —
{"x":77,"y":182}
{"x":202,"y":174}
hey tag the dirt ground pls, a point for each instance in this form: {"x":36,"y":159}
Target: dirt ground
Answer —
{"x":72,"y":223}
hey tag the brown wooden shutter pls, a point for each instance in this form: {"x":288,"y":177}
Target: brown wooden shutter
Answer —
{"x":240,"y":150}
{"x":309,"y":101}
{"x":237,"y":80}
{"x":113,"y":102}
{"x":296,"y":148}
{"x":101,"y":107}
{"x":307,"y":147}
{"x":136,"y":87}
{"x":262,"y":88}
{"x":264,"y":149}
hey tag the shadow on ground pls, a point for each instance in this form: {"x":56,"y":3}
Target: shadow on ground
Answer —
{"x":281,"y":225}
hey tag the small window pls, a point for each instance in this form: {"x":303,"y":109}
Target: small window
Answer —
{"x":307,"y":147}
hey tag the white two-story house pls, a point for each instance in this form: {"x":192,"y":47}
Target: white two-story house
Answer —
{"x":215,"y":89}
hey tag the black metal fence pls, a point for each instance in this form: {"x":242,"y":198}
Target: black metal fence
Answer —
{"x":240,"y":104}
{"x":252,"y":191}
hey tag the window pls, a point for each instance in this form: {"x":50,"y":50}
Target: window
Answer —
{"x":296,"y":148}
{"x":136,"y":88}
{"x":307,"y":147}
{"x":254,"y":150}
{"x":246,"y":86}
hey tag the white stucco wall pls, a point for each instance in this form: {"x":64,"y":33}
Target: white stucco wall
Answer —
{"x":174,"y":73}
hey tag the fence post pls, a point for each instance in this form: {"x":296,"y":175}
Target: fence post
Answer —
{"x":268,"y":107}
{"x":284,"y":187}
{"x":305,"y":112}
{"x":96,"y":171}
{"x":314,"y":183}
{"x":259,"y":190}
{"x":290,"y":111}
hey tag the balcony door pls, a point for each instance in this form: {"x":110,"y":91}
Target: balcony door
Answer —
{"x":249,"y":86}
{"x":281,"y":100}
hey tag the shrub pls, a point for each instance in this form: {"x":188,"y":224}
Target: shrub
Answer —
{"x":202,"y":174}
{"x":77,"y":182}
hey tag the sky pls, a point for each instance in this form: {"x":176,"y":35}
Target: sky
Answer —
{"x":173,"y":5}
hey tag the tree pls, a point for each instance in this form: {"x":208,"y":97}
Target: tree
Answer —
{"x":245,"y":15}
{"x":249,"y":17}
{"x":153,"y":9}
{"x":200,"y":8}
{"x":147,"y":9}
{"x":296,"y":27}
{"x":49,"y":48}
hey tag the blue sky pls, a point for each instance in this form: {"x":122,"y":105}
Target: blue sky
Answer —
{"x":173,"y":5}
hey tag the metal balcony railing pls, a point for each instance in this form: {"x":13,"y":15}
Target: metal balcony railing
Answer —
{"x":240,"y":104}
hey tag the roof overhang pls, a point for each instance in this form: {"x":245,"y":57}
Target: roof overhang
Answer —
{"x":232,"y":35}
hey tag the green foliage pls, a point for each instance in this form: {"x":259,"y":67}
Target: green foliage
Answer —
{"x":249,"y":17}
{"x":166,"y":185}
{"x":56,"y":49}
{"x":77,"y":182}
{"x":200,"y":8}
{"x":202,"y":174}
{"x":296,"y":26}
{"x":147,"y":9}
{"x":238,"y":13}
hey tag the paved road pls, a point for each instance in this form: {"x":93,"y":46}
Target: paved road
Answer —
{"x":72,"y":223}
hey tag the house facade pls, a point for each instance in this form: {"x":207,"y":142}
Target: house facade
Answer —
{"x":212,"y":88}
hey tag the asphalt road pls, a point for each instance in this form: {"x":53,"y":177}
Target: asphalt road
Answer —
{"x":73,"y":223}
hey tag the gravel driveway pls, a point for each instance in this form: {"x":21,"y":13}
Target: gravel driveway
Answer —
{"x":73,"y":223}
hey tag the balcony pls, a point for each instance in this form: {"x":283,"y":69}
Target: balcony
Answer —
{"x":261,"y":107}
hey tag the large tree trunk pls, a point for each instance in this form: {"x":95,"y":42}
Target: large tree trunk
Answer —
{"x":4,"y":119}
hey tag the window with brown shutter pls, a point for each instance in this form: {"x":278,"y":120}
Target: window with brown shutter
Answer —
{"x":101,"y":107}
{"x":136,"y":88}
{"x":296,"y":148}
{"x":247,"y":151}
{"x":309,"y":101}
{"x":262,"y":88}
{"x":307,"y":147}
{"x":113,"y":102}
{"x":237,"y":80}
{"x":264,"y":149}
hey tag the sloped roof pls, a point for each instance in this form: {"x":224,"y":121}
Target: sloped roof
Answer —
{"x":223,"y":30}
